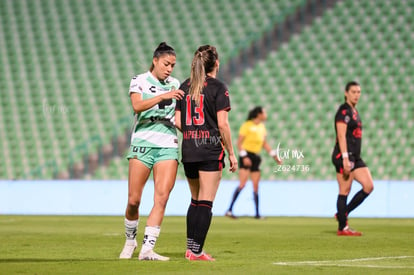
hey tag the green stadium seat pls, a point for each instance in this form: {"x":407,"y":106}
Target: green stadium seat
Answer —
{"x":74,"y":50}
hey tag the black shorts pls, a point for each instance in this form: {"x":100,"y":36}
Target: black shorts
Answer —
{"x":255,"y":159}
{"x":191,"y":169}
{"x":338,"y":162}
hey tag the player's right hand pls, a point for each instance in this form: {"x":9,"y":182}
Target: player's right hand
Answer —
{"x":347,"y":168}
{"x":176,"y":94}
{"x":233,"y":163}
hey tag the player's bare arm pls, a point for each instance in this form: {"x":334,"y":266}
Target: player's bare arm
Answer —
{"x":140,"y":105}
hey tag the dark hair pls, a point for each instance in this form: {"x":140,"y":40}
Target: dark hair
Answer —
{"x":204,"y":61}
{"x":255,"y":112}
{"x":163,"y":48}
{"x":349,"y":85}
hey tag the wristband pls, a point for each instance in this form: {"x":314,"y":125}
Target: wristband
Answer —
{"x":242,"y":153}
{"x":345,"y":155}
{"x":273,"y":153}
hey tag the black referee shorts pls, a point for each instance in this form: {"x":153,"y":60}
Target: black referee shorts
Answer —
{"x":255,"y":159}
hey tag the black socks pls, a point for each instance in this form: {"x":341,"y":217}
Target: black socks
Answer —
{"x":198,"y":223}
{"x":191,"y":213}
{"x":256,"y":203}
{"x":356,"y":200}
{"x":341,"y":208}
{"x":235,"y":195}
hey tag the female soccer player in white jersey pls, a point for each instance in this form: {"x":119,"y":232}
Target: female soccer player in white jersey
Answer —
{"x":154,"y":146}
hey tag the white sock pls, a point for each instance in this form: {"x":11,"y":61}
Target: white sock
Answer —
{"x":130,"y":229}
{"x":150,"y":238}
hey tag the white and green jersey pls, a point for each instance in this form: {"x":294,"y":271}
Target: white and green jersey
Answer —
{"x":154,"y":127}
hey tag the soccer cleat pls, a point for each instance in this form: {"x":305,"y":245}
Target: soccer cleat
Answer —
{"x":230,"y":215}
{"x":348,"y":232}
{"x":202,"y":257}
{"x":129,"y":248}
{"x":188,"y":252}
{"x":151,"y":256}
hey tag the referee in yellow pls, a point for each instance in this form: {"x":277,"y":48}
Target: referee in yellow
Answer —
{"x":252,"y":138}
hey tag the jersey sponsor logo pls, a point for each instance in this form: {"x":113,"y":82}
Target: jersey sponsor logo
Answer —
{"x":357,"y":133}
{"x":164,"y":103}
{"x":133,"y":86}
{"x":154,"y":89}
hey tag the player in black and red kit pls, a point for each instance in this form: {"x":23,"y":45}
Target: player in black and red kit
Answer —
{"x":202,"y":116}
{"x":346,"y":158}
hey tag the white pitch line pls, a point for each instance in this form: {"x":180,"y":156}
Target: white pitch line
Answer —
{"x":343,"y":262}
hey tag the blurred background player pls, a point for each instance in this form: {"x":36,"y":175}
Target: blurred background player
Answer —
{"x":252,"y":138}
{"x":346,"y":157}
{"x":154,"y":146}
{"x":202,"y":116}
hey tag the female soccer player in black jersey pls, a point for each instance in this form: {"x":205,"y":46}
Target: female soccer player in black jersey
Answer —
{"x":346,"y":158}
{"x":202,"y":116}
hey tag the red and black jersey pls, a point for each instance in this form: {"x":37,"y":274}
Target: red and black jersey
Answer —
{"x":201,"y":136}
{"x":347,"y":115}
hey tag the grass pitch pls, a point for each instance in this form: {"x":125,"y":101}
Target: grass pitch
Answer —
{"x":275,"y":245}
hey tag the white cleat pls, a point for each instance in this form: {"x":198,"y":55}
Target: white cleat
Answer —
{"x":129,"y":248}
{"x":151,"y":256}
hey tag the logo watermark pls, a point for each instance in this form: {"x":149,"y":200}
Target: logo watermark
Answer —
{"x":52,"y":109}
{"x":294,"y":155}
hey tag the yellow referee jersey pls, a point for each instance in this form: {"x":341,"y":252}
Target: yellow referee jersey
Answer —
{"x":254,"y":136}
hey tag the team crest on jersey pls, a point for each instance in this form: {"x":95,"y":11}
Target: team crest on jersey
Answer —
{"x":347,"y":119}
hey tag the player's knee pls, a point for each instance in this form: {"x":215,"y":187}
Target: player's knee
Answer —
{"x":133,"y":202}
{"x":368,"y":188}
{"x":344,"y":191}
{"x":160,"y":200}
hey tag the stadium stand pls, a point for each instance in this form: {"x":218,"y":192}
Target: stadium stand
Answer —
{"x":302,"y":82}
{"x":66,"y":67}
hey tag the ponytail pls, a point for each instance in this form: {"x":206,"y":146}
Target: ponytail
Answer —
{"x":204,"y":62}
{"x":197,"y":77}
